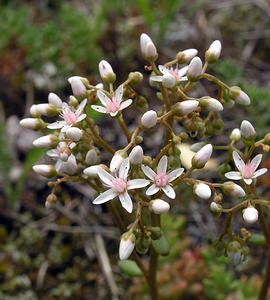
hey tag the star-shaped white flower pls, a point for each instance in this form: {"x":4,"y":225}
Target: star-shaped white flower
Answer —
{"x":247,"y":171}
{"x":119,"y":185}
{"x":177,"y":73}
{"x":69,"y":116}
{"x":112,"y":105}
{"x":161,"y":180}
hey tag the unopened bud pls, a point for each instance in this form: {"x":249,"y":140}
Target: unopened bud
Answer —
{"x":117,"y":159}
{"x":239,"y":96}
{"x":106,"y":72}
{"x":215,"y":208}
{"x":202,"y":190}
{"x":159,"y":206}
{"x":148,"y":48}
{"x":194,"y":69}
{"x":202,"y":156}
{"x":55,"y":100}
{"x":211,"y":104}
{"x":233,"y":189}
{"x":45,"y":170}
{"x":149,"y":119}
{"x":69,"y":167}
{"x":92,"y":157}
{"x":51,"y":201}
{"x":33,"y":123}
{"x":74,"y":133}
{"x":46,"y":141}
{"x":185,"y":107}
{"x":127,"y":244}
{"x":234,"y":252}
{"x":136,"y":155}
{"x":168,"y":80}
{"x":135,"y":77}
{"x":213,"y":52}
{"x":247,"y":130}
{"x":93,"y":170}
{"x":44,"y":109}
{"x":235,"y":135}
{"x":77,"y":86}
{"x":250,"y":215}
{"x":185,"y":56}
{"x":266,"y":139}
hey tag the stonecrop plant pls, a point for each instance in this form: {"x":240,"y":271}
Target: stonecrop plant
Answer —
{"x":139,"y":184}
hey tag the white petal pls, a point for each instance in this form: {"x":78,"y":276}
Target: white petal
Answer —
{"x":248,"y":181}
{"x":65,"y":107}
{"x":153,"y":189}
{"x":106,"y":177}
{"x":259,"y":172}
{"x":169,"y":191}
{"x":184,"y":78}
{"x":233,"y":175}
{"x":163,"y":70}
{"x":114,"y":113}
{"x":104,"y":197}
{"x":148,"y":172}
{"x":81,"y":117}
{"x":53,"y":153}
{"x":104,"y":99}
{"x":126,"y":202}
{"x":256,"y":161}
{"x":175,"y":173}
{"x":156,"y":78}
{"x":119,"y":93}
{"x":137,"y":183}
{"x":182,"y":71}
{"x":125,"y":104}
{"x":58,"y":165}
{"x":81,"y":107}
{"x":162,"y":165}
{"x":99,"y":109}
{"x":124,"y":168}
{"x":56,"y":125}
{"x":238,"y":161}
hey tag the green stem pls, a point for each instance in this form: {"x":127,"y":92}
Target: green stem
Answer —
{"x":123,"y":126}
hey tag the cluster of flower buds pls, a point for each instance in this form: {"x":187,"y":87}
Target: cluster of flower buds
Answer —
{"x":144,"y":184}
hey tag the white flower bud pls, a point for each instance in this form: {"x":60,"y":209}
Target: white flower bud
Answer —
{"x":45,"y":109}
{"x":211,"y":104}
{"x":202,"y":156}
{"x":92,"y":157}
{"x":250,"y":215}
{"x":215,"y":208}
{"x":46,"y":141}
{"x":77,"y":86}
{"x":148,"y":48}
{"x":32,"y":123}
{"x":197,"y":146}
{"x":233,"y":189}
{"x":202,"y":190}
{"x":247,"y":130}
{"x":74,"y":133}
{"x":106,"y":72}
{"x":45,"y":170}
{"x":99,"y":86}
{"x":55,"y":100}
{"x":185,"y":107}
{"x":213,"y":52}
{"x":117,"y":159}
{"x":69,"y":167}
{"x":239,"y":96}
{"x":159,"y":206}
{"x":168,"y":81}
{"x":185,"y":56}
{"x":149,"y":119}
{"x":235,"y":135}
{"x":93,"y":170}
{"x":136,"y":155}
{"x":127,"y":244}
{"x":194,"y":69}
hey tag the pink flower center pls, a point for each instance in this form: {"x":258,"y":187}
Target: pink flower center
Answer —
{"x":161,"y":180}
{"x":119,"y":185}
{"x":113,"y":106}
{"x":70,"y":117}
{"x":174,"y":73}
{"x":247,"y":171}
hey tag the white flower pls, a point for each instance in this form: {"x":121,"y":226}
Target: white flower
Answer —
{"x":46,"y":141}
{"x":106,"y":71}
{"x":186,"y":55}
{"x":202,"y":156}
{"x":149,"y":119}
{"x":211,"y":104}
{"x":194,"y":69}
{"x":32,"y":123}
{"x":202,"y":190}
{"x":159,"y":206}
{"x":112,"y":105}
{"x":161,"y":180}
{"x":213,"y":53}
{"x":171,"y":75}
{"x":136,"y":155}
{"x":77,"y":86}
{"x":185,"y":107}
{"x":250,"y":215}
{"x":148,"y":48}
{"x":233,"y":189}
{"x":119,"y":185}
{"x":74,"y":133}
{"x":247,"y":171}
{"x":45,"y":170}
{"x":127,"y":245}
{"x":55,"y":100}
{"x":247,"y":130}
{"x":69,"y":116}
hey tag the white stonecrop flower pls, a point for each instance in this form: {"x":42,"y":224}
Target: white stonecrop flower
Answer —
{"x":77,"y":86}
{"x":250,"y":215}
{"x":186,"y":55}
{"x":69,"y":116}
{"x":136,"y":155}
{"x":106,"y":71}
{"x":202,"y":156}
{"x":46,"y":141}
{"x":148,"y":48}
{"x":247,"y":130}
{"x":194,"y":69}
{"x":159,"y":206}
{"x":112,"y":105}
{"x":55,"y":100}
{"x":213,"y":52}
{"x":45,"y":170}
{"x":127,"y":245}
{"x":119,"y":185}
{"x":186,"y":107}
{"x":171,"y":74}
{"x":211,"y":104}
{"x":233,"y":189}
{"x":246,"y":171}
{"x":149,"y":119}
{"x":161,"y":180}
{"x":32,"y":123}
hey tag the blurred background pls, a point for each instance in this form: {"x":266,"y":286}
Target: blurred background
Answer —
{"x":63,"y":253}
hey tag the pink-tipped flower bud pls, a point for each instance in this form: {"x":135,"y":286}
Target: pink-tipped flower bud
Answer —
{"x":250,"y":215}
{"x":127,"y":244}
{"x":239,"y":96}
{"x":148,"y":48}
{"x":53,"y":99}
{"x":213,"y":52}
{"x":233,"y":189}
{"x":247,"y":130}
{"x":106,"y":72}
{"x":202,"y":190}
{"x":92,"y":157}
{"x":74,"y":133}
{"x":168,"y":80}
{"x":185,"y":107}
{"x":77,"y":86}
{"x":136,"y":155}
{"x":235,"y":135}
{"x":46,"y":141}
{"x":45,"y":170}
{"x":33,"y":123}
{"x":159,"y":206}
{"x":194,"y":69}
{"x":117,"y":159}
{"x":149,"y":119}
{"x":185,"y":56}
{"x":211,"y":104}
{"x":202,"y":156}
